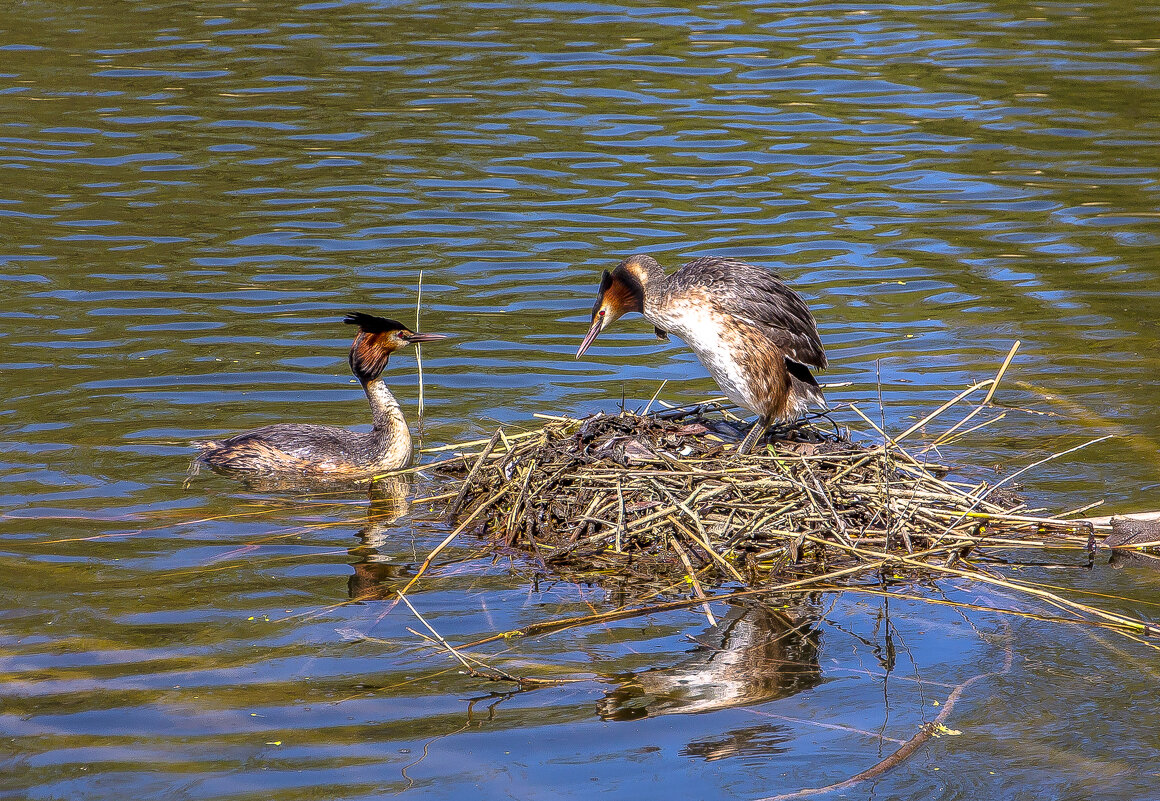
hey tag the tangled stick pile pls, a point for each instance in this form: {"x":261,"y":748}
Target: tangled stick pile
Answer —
{"x":667,"y":498}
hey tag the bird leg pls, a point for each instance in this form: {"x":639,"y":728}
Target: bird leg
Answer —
{"x":755,"y":434}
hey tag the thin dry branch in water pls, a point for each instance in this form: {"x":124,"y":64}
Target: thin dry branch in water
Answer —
{"x":419,"y":349}
{"x":924,"y":733}
{"x":475,"y":668}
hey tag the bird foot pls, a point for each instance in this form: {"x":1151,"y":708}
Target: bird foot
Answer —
{"x":754,"y":436}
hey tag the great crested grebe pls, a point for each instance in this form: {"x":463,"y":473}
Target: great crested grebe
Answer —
{"x":754,"y":334}
{"x":322,"y":451}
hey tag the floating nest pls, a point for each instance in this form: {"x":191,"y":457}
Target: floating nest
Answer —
{"x":666,"y":498}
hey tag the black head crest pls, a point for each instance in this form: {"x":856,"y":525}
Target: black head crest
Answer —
{"x":377,"y":338}
{"x":370,"y":324}
{"x":621,"y":291}
{"x":605,"y":283}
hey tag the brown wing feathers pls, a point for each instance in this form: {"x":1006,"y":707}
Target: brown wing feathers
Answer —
{"x":761,"y":297}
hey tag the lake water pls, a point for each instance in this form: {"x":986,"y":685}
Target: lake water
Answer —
{"x":193,"y":195}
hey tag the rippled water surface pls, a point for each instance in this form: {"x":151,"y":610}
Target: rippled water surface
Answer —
{"x":193,"y":194}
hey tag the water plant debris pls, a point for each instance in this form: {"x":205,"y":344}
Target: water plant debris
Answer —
{"x":665,"y":497}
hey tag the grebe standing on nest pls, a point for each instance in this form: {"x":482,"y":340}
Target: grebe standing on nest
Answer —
{"x":754,"y":334}
{"x":329,"y":451}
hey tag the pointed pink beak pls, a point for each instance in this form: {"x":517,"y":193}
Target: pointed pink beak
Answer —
{"x":592,"y":333}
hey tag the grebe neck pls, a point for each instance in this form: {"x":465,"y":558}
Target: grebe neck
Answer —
{"x":655,"y":284}
{"x":391,"y":431}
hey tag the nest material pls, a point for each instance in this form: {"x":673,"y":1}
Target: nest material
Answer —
{"x":667,"y":497}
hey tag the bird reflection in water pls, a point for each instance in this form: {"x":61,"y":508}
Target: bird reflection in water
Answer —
{"x":763,"y":740}
{"x":378,"y":575}
{"x":755,"y":654}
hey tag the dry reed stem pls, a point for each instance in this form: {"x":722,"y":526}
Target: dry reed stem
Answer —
{"x":1130,"y":624}
{"x":489,"y":672}
{"x":964,"y":394}
{"x":454,"y":507}
{"x":692,"y":577}
{"x":1017,"y":473}
{"x":447,"y":540}
{"x":419,"y":349}
{"x":944,"y":437}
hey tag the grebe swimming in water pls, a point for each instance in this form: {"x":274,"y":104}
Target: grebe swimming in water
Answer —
{"x":318,"y":450}
{"x":754,"y":334}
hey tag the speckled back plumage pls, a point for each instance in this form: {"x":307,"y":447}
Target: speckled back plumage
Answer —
{"x":306,"y":449}
{"x":290,"y":447}
{"x":753,"y":333}
{"x":319,"y":450}
{"x":758,"y":296}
